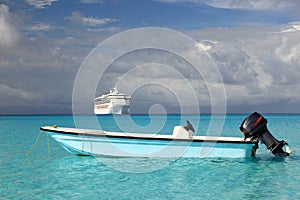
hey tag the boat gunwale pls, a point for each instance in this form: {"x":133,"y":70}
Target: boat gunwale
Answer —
{"x":146,"y":137}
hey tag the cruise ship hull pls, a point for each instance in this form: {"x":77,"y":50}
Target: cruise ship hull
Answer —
{"x":112,"y":110}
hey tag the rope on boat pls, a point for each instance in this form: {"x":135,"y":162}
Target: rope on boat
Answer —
{"x":35,"y":143}
{"x":38,"y":139}
{"x":254,"y":148}
{"x":82,"y":144}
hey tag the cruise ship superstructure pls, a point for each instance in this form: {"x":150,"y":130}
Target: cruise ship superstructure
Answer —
{"x":112,"y":103}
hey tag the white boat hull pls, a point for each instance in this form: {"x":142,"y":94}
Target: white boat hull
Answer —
{"x":99,"y":143}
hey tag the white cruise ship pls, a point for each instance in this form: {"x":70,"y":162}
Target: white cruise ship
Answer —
{"x":112,"y":103}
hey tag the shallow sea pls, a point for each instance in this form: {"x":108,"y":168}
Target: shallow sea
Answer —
{"x":50,"y":172}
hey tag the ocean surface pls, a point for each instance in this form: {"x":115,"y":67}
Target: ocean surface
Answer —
{"x":47,"y":171}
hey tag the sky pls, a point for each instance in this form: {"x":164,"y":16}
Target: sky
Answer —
{"x":255,"y":46}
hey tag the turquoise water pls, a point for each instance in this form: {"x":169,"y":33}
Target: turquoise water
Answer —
{"x":60,"y":175}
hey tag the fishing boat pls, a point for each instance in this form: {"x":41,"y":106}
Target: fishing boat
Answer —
{"x":179,"y":144}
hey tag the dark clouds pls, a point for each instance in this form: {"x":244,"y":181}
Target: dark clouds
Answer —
{"x":260,"y":65}
{"x":36,"y":75}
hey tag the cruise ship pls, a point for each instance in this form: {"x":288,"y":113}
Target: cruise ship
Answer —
{"x":112,"y":103}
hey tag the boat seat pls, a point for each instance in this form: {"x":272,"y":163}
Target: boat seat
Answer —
{"x":181,"y":132}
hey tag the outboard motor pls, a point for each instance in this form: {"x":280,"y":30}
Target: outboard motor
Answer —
{"x":255,"y":127}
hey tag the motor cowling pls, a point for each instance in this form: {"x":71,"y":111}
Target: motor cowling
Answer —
{"x":255,"y":127}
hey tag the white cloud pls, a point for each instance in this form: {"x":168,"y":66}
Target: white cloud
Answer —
{"x":40,"y":4}
{"x":77,"y":18}
{"x":39,"y":27}
{"x":203,"y":47}
{"x":8,"y":32}
{"x":249,"y":4}
{"x":91,"y":1}
{"x":288,"y":52}
{"x":264,"y":79}
{"x":241,"y":4}
{"x":292,"y":27}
